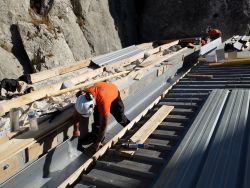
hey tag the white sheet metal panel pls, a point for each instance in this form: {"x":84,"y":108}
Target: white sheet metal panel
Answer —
{"x":210,"y":46}
{"x":116,"y":55}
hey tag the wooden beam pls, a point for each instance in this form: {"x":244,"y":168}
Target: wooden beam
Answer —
{"x":9,"y":168}
{"x":163,"y":47}
{"x":13,"y":134}
{"x":200,"y":76}
{"x":146,"y":130}
{"x":140,"y":55}
{"x":232,"y":62}
{"x":125,"y":62}
{"x":42,"y":93}
{"x":150,"y":60}
{"x":43,"y":75}
{"x":85,"y":84}
{"x":145,"y":45}
{"x":168,"y":45}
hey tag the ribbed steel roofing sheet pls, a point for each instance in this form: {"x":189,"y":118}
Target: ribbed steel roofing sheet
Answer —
{"x":116,"y":55}
{"x":182,"y":167}
{"x":222,"y":166}
{"x":210,"y":153}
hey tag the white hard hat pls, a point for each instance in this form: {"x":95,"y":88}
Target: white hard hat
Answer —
{"x":85,"y":104}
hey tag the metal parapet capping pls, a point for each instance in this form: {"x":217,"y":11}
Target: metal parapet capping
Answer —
{"x":116,"y":55}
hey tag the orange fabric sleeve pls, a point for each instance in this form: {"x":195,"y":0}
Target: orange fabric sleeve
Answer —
{"x":104,"y":93}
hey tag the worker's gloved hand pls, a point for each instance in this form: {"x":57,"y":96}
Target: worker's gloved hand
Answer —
{"x":76,"y":133}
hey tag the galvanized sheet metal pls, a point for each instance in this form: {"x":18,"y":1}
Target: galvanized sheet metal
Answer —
{"x":116,"y":55}
{"x":212,"y":155}
{"x":223,"y":164}
{"x":186,"y":154}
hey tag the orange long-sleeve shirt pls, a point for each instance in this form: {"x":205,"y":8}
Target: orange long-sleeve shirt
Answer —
{"x":104,"y":94}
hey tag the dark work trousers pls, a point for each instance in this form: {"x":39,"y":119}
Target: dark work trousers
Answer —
{"x":116,"y":109}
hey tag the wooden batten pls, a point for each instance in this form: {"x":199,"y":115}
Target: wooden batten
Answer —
{"x":232,"y":62}
{"x":85,"y":84}
{"x":146,"y":130}
{"x":43,"y":75}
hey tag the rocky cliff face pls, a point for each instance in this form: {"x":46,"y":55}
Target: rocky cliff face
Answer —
{"x":174,"y":19}
{"x":42,"y":34}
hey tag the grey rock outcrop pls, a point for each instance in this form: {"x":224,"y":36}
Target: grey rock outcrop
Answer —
{"x":45,"y":46}
{"x":10,"y":66}
{"x":63,"y":17}
{"x":97,"y":25}
{"x":12,"y":11}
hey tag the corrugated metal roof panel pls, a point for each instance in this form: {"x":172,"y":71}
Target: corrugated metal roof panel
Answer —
{"x":116,"y":55}
{"x":223,"y":164}
{"x":211,"y":153}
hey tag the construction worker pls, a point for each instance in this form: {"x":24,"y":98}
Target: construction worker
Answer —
{"x":213,"y":33}
{"x":101,"y":99}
